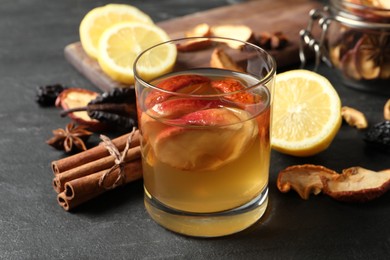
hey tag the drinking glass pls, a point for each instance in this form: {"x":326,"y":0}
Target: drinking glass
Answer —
{"x":204,"y":113}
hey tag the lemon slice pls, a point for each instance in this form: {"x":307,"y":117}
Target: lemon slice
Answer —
{"x":96,"y":21}
{"x":306,"y":113}
{"x":120,"y":45}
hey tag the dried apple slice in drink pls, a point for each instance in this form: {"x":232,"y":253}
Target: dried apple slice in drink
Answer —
{"x":170,"y":109}
{"x":177,"y":107}
{"x":174,"y":84}
{"x":234,"y":86}
{"x":206,"y":139}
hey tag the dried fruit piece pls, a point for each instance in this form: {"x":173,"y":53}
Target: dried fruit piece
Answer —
{"x":385,"y":4}
{"x":193,"y":45}
{"x":74,"y":98}
{"x":304,"y":179}
{"x":354,"y":117}
{"x":234,"y":86}
{"x":357,"y":184}
{"x":278,"y":41}
{"x":343,"y":44}
{"x":238,"y":32}
{"x":200,"y":30}
{"x":379,"y":135}
{"x":177,"y":107}
{"x":115,"y":108}
{"x":348,"y":65}
{"x":385,"y":70}
{"x":173,"y":84}
{"x":386,"y":110}
{"x":354,"y":184}
{"x":367,"y":61}
{"x":47,"y":95}
{"x":212,"y":150}
{"x":220,"y":59}
{"x":264,"y":40}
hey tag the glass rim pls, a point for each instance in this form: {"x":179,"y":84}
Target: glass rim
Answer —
{"x":262,"y":82}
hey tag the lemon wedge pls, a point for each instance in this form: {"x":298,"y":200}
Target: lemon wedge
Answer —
{"x":96,"y":21}
{"x":306,"y":113}
{"x":121,"y":43}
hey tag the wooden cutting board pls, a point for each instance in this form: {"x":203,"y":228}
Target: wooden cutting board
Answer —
{"x":287,"y":16}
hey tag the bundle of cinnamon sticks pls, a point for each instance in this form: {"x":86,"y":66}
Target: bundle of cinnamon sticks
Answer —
{"x":83,"y":176}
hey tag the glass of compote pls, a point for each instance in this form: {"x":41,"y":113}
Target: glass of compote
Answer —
{"x":204,"y":110}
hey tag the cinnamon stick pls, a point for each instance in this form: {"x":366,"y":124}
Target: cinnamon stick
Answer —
{"x":91,"y":167}
{"x":80,"y":190}
{"x":92,"y":154}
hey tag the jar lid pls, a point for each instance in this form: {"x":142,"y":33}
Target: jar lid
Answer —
{"x":368,"y":14}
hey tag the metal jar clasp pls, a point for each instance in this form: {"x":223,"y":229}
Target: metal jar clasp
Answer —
{"x":308,"y":39}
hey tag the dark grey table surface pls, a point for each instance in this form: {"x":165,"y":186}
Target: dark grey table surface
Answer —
{"x":33,"y":34}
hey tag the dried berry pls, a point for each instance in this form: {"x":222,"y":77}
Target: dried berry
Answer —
{"x":379,"y":135}
{"x":47,"y":95}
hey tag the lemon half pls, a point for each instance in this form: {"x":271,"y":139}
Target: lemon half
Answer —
{"x":306,"y":113}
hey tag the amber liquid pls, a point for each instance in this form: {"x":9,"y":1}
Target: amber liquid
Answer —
{"x":206,"y":186}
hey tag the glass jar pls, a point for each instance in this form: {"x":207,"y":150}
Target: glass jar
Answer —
{"x":355,"y":40}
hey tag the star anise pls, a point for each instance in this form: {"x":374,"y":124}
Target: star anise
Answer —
{"x":70,"y":138}
{"x":378,"y":48}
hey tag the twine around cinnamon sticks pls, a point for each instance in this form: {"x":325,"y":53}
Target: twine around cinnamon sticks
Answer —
{"x":81,"y":177}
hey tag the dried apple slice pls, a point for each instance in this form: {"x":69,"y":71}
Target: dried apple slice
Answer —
{"x":354,"y":117}
{"x":354,"y":184}
{"x":231,"y":86}
{"x":77,"y":97}
{"x":385,"y":70}
{"x":220,"y":59}
{"x":364,"y":58}
{"x":348,"y":66}
{"x":152,"y":119}
{"x":178,"y":107}
{"x":193,"y":45}
{"x":172,"y":84}
{"x":304,"y":179}
{"x":385,"y":4}
{"x":201,"y":30}
{"x":357,"y":184}
{"x":221,"y":136}
{"x":386,"y":110}
{"x":239,"y":32}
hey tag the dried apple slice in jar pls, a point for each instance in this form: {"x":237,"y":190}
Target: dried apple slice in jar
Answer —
{"x":221,"y":136}
{"x":368,"y":57}
{"x":385,"y":70}
{"x":348,"y":65}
